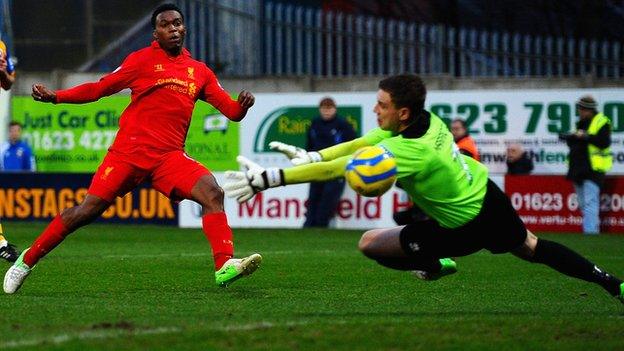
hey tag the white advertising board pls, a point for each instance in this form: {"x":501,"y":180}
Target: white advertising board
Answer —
{"x":533,"y":118}
{"x":5,"y":118}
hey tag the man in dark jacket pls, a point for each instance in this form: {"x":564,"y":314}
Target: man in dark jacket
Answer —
{"x":518,"y":161}
{"x":327,"y":129}
{"x":590,"y":159}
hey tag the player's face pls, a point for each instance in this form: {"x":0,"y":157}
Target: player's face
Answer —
{"x":327,"y":112}
{"x":457,"y":130}
{"x":15,"y":133}
{"x":388,"y":116}
{"x":170,"y":31}
{"x":585,"y":113}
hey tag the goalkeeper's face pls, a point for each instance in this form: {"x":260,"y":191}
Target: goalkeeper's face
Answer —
{"x":389,"y":117}
{"x":170,"y":31}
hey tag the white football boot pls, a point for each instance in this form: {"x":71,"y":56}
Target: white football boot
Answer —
{"x":15,"y":276}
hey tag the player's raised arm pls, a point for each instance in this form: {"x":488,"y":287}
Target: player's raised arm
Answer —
{"x":218,"y":97}
{"x":109,"y":84}
{"x":243,"y":185}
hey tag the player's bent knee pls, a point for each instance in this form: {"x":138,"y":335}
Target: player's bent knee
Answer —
{"x":216,"y":194}
{"x":367,"y":243}
{"x":210,"y":196}
{"x":526,"y":251}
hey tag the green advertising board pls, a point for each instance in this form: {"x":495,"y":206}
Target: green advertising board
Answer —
{"x":75,"y":138}
{"x":290,"y":125}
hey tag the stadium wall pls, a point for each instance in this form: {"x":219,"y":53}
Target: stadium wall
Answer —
{"x":65,"y":79}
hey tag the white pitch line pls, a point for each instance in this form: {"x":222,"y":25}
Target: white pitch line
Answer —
{"x":88,"y":335}
{"x":111,"y":334}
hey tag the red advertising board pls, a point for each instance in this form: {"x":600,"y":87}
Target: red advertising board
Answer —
{"x":548,"y":203}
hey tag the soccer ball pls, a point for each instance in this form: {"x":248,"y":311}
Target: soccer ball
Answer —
{"x":371,"y":171}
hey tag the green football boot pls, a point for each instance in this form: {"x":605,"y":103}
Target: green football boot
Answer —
{"x":236,"y":268}
{"x":449,"y":266}
{"x":621,"y":295}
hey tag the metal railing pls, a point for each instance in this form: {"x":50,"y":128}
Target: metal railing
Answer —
{"x":256,"y":38}
{"x":310,"y":41}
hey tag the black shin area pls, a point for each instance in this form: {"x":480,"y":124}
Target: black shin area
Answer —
{"x":570,"y":263}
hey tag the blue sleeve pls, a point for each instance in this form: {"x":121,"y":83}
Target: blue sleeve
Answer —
{"x":10,"y":68}
{"x":28,"y":164}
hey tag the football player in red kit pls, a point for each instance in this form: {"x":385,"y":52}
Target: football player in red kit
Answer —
{"x":165,"y":82}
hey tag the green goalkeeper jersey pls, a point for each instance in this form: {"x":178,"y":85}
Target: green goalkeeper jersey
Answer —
{"x":446,"y":185}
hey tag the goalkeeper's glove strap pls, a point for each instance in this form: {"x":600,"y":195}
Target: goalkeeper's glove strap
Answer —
{"x":273,"y":177}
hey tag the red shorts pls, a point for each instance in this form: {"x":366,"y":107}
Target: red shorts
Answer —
{"x":173,"y":174}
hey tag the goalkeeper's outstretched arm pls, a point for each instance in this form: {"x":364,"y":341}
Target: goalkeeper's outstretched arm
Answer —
{"x":316,"y":172}
{"x":299,"y":156}
{"x":343,"y":149}
{"x":243,"y":185}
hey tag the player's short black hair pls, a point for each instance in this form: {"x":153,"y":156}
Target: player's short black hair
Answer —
{"x":406,"y":90}
{"x":15,"y":123}
{"x":162,"y":8}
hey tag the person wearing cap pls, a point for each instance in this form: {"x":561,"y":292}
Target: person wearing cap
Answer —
{"x":589,"y":160}
{"x":328,"y":129}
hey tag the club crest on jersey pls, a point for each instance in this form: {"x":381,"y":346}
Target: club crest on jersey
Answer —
{"x":158,"y":68}
{"x":192,"y":90}
{"x":191,"y":72}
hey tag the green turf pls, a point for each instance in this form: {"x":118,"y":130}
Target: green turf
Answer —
{"x":152,"y":288}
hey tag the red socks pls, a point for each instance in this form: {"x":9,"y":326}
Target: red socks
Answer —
{"x":48,"y":240}
{"x":215,"y":227}
{"x":219,"y":234}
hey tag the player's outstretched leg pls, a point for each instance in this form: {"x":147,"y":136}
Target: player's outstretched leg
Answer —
{"x":227,"y":269}
{"x":215,"y":226}
{"x":61,"y":226}
{"x":568,"y":262}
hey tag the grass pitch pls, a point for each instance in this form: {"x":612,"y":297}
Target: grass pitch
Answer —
{"x":152,"y":288}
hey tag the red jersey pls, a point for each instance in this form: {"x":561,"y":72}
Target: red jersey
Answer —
{"x":164,"y":92}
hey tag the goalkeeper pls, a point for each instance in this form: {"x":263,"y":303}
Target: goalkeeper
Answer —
{"x":467,"y":211}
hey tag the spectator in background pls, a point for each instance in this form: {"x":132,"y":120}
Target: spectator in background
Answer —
{"x":15,"y":154}
{"x":7,"y":70}
{"x":518,"y":161}
{"x":327,"y":129}
{"x":7,"y":77}
{"x":464,"y":141}
{"x":590,"y":159}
